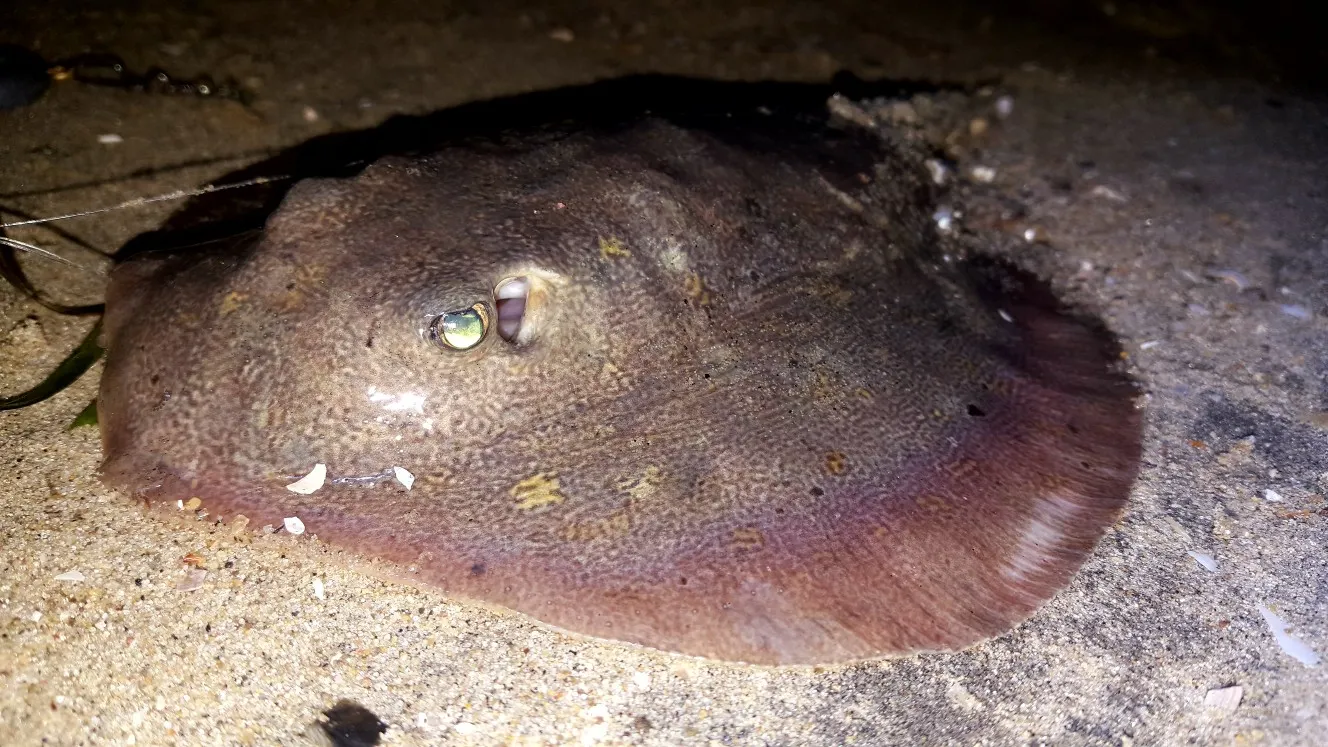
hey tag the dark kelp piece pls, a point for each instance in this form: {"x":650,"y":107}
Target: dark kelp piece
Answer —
{"x":742,"y":406}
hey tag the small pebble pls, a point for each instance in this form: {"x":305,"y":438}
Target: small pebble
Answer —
{"x":74,"y":576}
{"x":1272,"y":496}
{"x":983,"y":174}
{"x":938,"y":171}
{"x":465,"y":727}
{"x":1149,"y":345}
{"x":310,"y":114}
{"x":563,"y":35}
{"x":318,"y":589}
{"x":110,"y":139}
{"x":944,"y":218}
{"x":293,"y":525}
{"x":1004,"y":106}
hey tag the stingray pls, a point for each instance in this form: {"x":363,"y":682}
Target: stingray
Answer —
{"x":714,"y":387}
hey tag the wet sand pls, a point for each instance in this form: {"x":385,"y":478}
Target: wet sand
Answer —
{"x":1183,"y":202}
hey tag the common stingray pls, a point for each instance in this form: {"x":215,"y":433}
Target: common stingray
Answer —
{"x":710,"y":384}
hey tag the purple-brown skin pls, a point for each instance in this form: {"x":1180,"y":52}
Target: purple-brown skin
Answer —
{"x":752,"y":414}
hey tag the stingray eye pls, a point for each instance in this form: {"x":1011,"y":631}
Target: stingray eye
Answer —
{"x":460,"y":330}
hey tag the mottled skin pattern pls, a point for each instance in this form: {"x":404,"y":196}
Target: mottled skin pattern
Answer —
{"x":759,"y":416}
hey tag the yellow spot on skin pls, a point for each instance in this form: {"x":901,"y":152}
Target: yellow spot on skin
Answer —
{"x":612,"y":248}
{"x":232,"y":302}
{"x":934,"y":504}
{"x":645,"y":486}
{"x":537,"y":491}
{"x":696,"y":289}
{"x":836,"y":462}
{"x":747,"y":539}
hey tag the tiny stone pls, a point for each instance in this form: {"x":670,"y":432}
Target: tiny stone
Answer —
{"x":465,"y":727}
{"x":310,"y":114}
{"x":1272,"y":496}
{"x":74,"y":576}
{"x":110,"y":139}
{"x":318,"y":589}
{"x":937,"y":170}
{"x":293,"y":525}
{"x":983,"y":174}
{"x":563,"y":35}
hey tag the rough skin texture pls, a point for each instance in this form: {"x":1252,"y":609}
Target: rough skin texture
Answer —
{"x":752,"y":414}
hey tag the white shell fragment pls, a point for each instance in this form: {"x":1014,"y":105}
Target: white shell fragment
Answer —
{"x":192,"y":580}
{"x":318,"y":589}
{"x":74,"y":576}
{"x":1224,"y":699}
{"x":293,"y":524}
{"x":983,"y":174}
{"x":1207,"y":561}
{"x":1103,"y":190}
{"x":404,"y":476}
{"x":1272,"y":496}
{"x":1293,"y":646}
{"x":311,"y":482}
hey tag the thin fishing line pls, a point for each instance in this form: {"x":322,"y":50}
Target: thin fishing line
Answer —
{"x":140,"y":201}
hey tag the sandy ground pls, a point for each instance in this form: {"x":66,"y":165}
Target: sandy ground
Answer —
{"x":1184,"y":203}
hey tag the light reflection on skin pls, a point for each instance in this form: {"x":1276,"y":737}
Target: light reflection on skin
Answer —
{"x":404,"y":402}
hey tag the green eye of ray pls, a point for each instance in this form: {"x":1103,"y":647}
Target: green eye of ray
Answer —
{"x":461,"y":330}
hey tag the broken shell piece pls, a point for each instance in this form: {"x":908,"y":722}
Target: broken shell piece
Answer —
{"x":293,"y":524}
{"x":1103,"y":190}
{"x":1272,"y":496}
{"x":1293,"y":646}
{"x":1234,"y":277}
{"x":74,"y":576}
{"x":1224,"y":699}
{"x":318,"y":589}
{"x":192,"y":580}
{"x":404,"y":476}
{"x":1205,"y":560}
{"x":311,"y":482}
